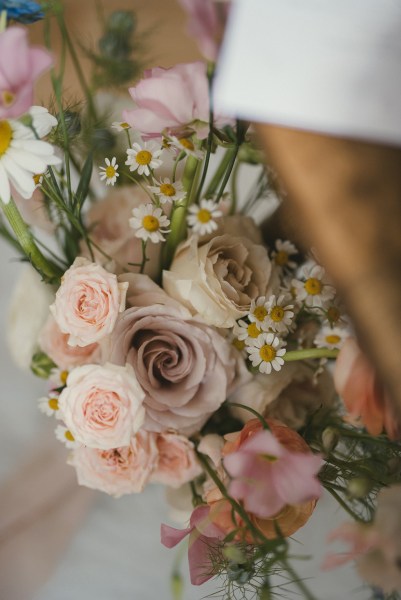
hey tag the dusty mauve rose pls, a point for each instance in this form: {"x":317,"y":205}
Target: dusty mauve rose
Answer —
{"x":102,"y":405}
{"x":177,"y":460}
{"x":117,"y":471}
{"x":218,"y":279}
{"x":55,"y":344}
{"x":108,"y":221}
{"x":87,"y":302}
{"x":184,"y":366}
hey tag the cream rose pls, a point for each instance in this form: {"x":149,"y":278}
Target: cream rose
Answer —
{"x":87,"y":302}
{"x":102,"y":405}
{"x":218,"y":279}
{"x":177,"y":460}
{"x":117,"y":471}
{"x":185,"y":367}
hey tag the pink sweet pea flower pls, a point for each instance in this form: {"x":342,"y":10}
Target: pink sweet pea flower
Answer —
{"x":266,"y":476}
{"x":203,"y":535}
{"x":207,"y":19}
{"x":20,"y":65}
{"x":175,"y":101}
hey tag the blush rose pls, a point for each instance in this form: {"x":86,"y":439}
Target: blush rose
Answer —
{"x":177,"y":462}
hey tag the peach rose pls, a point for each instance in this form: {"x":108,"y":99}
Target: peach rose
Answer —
{"x":87,"y":302}
{"x":55,"y":344}
{"x":219,"y":279}
{"x":117,"y":471}
{"x":177,"y":460}
{"x":102,"y":405}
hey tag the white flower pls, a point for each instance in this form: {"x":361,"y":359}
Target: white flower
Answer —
{"x":314,"y":290}
{"x":109,"y":172}
{"x":201,"y":218}
{"x":258,"y":311}
{"x":149,"y":223}
{"x":168,"y":191}
{"x":244,"y":331}
{"x":21,"y":157}
{"x":120,"y":125}
{"x":42,"y":121}
{"x":64,"y":435}
{"x":186,"y":145}
{"x":58,"y":377}
{"x":334,"y":314}
{"x":144,"y":158}
{"x":280,"y":314}
{"x":282,"y":254}
{"x":331,"y":337}
{"x":49,"y":404}
{"x":266,"y":352}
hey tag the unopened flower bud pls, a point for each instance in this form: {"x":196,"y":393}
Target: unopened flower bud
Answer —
{"x":177,"y":586}
{"x":239,"y":573}
{"x":41,"y":365}
{"x":329,"y":439}
{"x":122,"y":22}
{"x":359,"y":487}
{"x":234,"y":554}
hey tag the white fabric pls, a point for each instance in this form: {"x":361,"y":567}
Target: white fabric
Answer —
{"x":325,"y":65}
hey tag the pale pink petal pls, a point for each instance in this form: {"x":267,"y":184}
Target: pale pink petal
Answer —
{"x":295,"y":478}
{"x":170,"y":536}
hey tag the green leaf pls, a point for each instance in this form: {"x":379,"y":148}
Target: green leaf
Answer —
{"x":84,"y":184}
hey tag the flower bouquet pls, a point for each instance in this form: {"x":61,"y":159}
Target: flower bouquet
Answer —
{"x":181,"y":345}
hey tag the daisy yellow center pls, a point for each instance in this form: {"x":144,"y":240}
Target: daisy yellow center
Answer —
{"x":6,"y":135}
{"x":150,"y":223}
{"x":110,"y":172}
{"x":281,"y":258}
{"x":53,"y":403}
{"x":269,"y":457}
{"x":253,"y":330}
{"x":125,"y":125}
{"x":313,"y":286}
{"x":63,"y":377}
{"x":333,"y":339}
{"x":204,"y":215}
{"x":8,"y":98}
{"x":37,"y":178}
{"x":68,"y":436}
{"x":239,"y":344}
{"x":260,"y":313}
{"x":186,"y":143}
{"x":267,"y":353}
{"x":277,"y":314}
{"x":333,"y":314}
{"x":167,"y":189}
{"x":143,"y":157}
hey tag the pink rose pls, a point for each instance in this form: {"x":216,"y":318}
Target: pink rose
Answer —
{"x":206,"y":23}
{"x":185,"y":367}
{"x":177,"y":460}
{"x":102,"y":405}
{"x":117,"y":471}
{"x":174,"y":100}
{"x":88,"y":302}
{"x":20,"y":65}
{"x":55,"y":344}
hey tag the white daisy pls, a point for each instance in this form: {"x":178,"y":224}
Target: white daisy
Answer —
{"x":64,"y":435}
{"x":42,"y":121}
{"x":201,"y":217}
{"x":282,"y":254}
{"x":144,"y":158}
{"x":258,"y":311}
{"x":58,"y":377}
{"x":246,"y":331}
{"x":21,"y":157}
{"x":149,"y":223}
{"x":280,"y":314}
{"x":168,"y":191}
{"x":49,"y":405}
{"x":266,"y":352}
{"x":331,"y":337}
{"x":120,"y":125}
{"x":109,"y":172}
{"x":314,"y":290}
{"x":334,"y":314}
{"x":185,"y":144}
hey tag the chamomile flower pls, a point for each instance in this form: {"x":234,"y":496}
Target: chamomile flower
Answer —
{"x":244,"y":331}
{"x":120,"y":125}
{"x":64,"y":435}
{"x":334,"y":314}
{"x":109,"y":172}
{"x":21,"y":157}
{"x":280,"y":314}
{"x":149,"y":223}
{"x":258,"y":311}
{"x":49,"y":405}
{"x":331,"y":337}
{"x":167,"y":191}
{"x":202,"y":217}
{"x":58,"y":377}
{"x":283,"y":253}
{"x":314,"y":290}
{"x":185,"y":144}
{"x":266,"y":352}
{"x":144,"y":158}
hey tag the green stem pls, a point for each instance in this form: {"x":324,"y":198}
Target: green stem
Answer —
{"x":144,"y":257}
{"x":344,"y":505}
{"x":234,"y":190}
{"x":307,"y":594}
{"x":27,"y":242}
{"x":254,"y":412}
{"x":233,"y":157}
{"x":293,"y":355}
{"x":219,"y":173}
